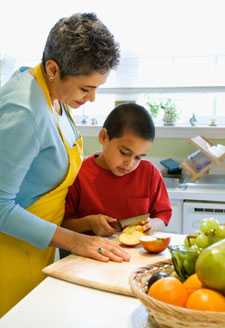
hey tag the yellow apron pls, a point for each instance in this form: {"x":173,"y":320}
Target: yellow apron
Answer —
{"x":21,"y":263}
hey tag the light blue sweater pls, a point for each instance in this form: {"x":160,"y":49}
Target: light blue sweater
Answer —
{"x":33,"y":159}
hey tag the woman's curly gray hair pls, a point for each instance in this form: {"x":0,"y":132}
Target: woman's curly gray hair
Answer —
{"x":81,"y":44}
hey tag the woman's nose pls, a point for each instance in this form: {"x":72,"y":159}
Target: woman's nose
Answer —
{"x":92,"y":95}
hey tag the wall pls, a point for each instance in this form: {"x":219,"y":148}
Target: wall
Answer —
{"x":162,"y":148}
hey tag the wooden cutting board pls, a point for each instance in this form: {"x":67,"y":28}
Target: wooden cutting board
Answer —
{"x":110,"y":276}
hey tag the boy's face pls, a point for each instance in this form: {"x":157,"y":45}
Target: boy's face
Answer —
{"x":122,"y":155}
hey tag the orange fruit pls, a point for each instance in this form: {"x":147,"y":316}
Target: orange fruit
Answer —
{"x":206,"y":300}
{"x":169,"y":290}
{"x":155,"y":243}
{"x":192,"y":283}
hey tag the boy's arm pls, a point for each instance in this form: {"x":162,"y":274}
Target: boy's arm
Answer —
{"x":97,"y":223}
{"x":71,"y":220}
{"x":160,"y":207}
{"x":72,"y":201}
{"x":156,"y":225}
{"x":77,"y":224}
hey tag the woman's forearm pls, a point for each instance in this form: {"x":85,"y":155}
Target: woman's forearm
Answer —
{"x":88,"y":246}
{"x":63,"y":238}
{"x":21,"y":224}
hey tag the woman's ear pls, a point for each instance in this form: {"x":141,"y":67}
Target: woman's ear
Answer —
{"x":52,"y":70}
{"x":103,"y":136}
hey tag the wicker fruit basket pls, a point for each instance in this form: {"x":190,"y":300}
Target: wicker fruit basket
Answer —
{"x":169,"y":316}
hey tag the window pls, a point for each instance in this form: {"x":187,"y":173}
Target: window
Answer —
{"x":170,"y":49}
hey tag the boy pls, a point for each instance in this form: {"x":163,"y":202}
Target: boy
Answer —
{"x":117,"y":183}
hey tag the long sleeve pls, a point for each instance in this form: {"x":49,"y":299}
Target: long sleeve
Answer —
{"x":72,"y":201}
{"x":160,"y":205}
{"x":19,"y":146}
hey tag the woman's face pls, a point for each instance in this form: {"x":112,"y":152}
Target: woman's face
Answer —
{"x":77,"y":90}
{"x":73,"y":91}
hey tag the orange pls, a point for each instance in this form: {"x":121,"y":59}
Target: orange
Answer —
{"x":169,"y":290}
{"x":192,"y":283}
{"x":155,"y":243}
{"x":206,"y":300}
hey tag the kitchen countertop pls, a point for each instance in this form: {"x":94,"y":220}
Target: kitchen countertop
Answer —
{"x":201,"y":194}
{"x":56,"y":303}
{"x":210,"y":187}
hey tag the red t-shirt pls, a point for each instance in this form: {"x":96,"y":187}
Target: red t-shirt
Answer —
{"x":98,"y":191}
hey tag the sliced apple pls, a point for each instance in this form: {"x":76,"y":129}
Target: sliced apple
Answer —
{"x":131,"y":229}
{"x":155,"y":243}
{"x":130,"y":239}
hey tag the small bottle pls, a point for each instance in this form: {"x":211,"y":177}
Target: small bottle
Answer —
{"x":193,"y":120}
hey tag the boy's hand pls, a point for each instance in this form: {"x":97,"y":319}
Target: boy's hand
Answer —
{"x":146,"y":224}
{"x":101,"y":224}
{"x":154,"y":225}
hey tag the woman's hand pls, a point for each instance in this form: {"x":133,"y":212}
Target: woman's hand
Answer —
{"x":100,"y":224}
{"x":89,"y":246}
{"x":98,"y":249}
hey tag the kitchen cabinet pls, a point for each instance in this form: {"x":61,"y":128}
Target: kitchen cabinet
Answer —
{"x":175,"y":224}
{"x":194,"y":212}
{"x":187,"y":214}
{"x":194,"y":203}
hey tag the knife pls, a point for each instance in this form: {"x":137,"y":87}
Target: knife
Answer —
{"x":132,"y":221}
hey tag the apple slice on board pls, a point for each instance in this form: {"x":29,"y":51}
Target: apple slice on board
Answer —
{"x":130,"y":239}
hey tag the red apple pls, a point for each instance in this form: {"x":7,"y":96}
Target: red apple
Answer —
{"x":155,"y":243}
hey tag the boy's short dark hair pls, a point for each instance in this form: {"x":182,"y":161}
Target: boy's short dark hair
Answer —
{"x":130,"y":117}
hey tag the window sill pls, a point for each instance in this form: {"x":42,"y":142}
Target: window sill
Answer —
{"x":169,"y":132}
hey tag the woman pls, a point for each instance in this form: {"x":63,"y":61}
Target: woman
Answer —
{"x":41,"y":153}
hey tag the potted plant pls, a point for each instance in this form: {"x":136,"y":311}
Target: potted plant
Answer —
{"x":168,"y":107}
{"x":154,"y":108}
{"x":170,"y":112}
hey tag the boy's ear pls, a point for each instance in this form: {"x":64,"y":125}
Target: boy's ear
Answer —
{"x":103,"y":136}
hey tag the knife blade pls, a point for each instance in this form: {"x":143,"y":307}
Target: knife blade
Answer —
{"x":132,"y":221}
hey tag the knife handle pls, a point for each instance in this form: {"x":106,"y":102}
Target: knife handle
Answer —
{"x":116,"y":225}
